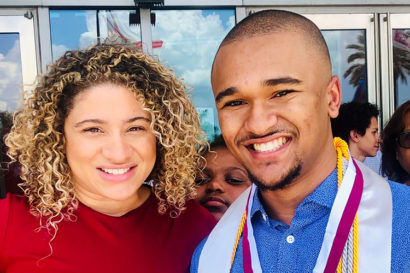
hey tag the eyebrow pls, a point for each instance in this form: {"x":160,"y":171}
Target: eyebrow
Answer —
{"x":100,"y":121}
{"x":233,"y":168}
{"x":271,"y":82}
{"x":288,"y":80}
{"x":227,"y":92}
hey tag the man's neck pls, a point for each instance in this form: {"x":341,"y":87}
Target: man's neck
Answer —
{"x":281,"y":204}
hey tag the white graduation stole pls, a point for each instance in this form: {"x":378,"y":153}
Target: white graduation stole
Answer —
{"x":374,"y":218}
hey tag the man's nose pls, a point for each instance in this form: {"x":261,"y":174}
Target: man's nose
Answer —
{"x":261,"y":119}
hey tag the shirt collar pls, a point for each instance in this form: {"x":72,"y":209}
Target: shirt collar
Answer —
{"x":323,"y":195}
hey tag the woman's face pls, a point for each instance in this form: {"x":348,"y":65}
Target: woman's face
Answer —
{"x":403,"y":154}
{"x":110,"y":147}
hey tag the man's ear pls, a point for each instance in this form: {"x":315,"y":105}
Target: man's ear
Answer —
{"x":334,"y":96}
{"x":354,"y":136}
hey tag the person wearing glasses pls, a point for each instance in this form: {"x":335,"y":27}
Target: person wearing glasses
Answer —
{"x":396,"y":146}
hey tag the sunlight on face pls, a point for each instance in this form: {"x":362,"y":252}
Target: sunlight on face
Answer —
{"x":110,"y":147}
{"x":274,"y":100}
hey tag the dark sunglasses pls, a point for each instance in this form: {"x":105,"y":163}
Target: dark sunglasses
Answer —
{"x":404,"y":140}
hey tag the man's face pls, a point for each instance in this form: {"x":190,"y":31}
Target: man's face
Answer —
{"x":274,"y":97}
{"x":369,"y":143}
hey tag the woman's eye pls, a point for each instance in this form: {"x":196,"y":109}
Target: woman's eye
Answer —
{"x":92,"y":130}
{"x":136,"y":128}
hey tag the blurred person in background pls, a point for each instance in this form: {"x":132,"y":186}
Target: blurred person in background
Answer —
{"x":222,"y":180}
{"x":357,"y":125}
{"x":396,"y":145}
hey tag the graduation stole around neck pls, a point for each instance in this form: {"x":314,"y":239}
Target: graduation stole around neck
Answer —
{"x":343,"y":254}
{"x":344,"y":248}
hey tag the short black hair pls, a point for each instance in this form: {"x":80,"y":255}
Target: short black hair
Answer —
{"x":270,"y":21}
{"x":353,"y":116}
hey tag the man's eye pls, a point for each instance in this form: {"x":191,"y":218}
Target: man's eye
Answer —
{"x":233,"y":103}
{"x":282,"y":93}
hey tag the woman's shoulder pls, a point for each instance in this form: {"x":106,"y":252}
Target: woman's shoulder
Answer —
{"x":197,"y":217}
{"x":11,"y":208}
{"x":15,"y":202}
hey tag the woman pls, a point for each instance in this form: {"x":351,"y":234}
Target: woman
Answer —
{"x":396,"y":145}
{"x":100,"y":123}
{"x":222,"y":180}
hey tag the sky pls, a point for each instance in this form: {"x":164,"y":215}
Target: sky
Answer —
{"x":189,"y":39}
{"x":10,"y":71}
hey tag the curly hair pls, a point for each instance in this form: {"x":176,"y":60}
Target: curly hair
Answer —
{"x":37,"y":141}
{"x":353,"y":116}
{"x":390,"y":165}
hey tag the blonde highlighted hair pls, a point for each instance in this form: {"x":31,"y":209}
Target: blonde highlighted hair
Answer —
{"x":37,"y":141}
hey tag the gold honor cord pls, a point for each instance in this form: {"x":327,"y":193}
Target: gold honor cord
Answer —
{"x":342,"y":150}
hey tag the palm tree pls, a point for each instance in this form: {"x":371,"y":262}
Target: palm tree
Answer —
{"x":358,"y":70}
{"x":401,"y":60}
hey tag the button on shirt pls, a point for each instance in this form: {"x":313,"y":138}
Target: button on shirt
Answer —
{"x":294,"y":248}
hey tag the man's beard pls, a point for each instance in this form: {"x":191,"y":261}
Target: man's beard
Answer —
{"x":285,"y":181}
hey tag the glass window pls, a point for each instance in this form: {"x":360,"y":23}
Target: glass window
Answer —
{"x":347,"y":50}
{"x":186,"y":41}
{"x":78,"y":29}
{"x":10,"y":71}
{"x":11,"y":81}
{"x":120,"y":27}
{"x":401,"y":65}
{"x":72,"y":29}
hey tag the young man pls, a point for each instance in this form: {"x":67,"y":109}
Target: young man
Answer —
{"x":222,"y":180}
{"x":357,"y":125}
{"x":275,"y":95}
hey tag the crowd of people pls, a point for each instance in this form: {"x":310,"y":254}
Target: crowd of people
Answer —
{"x":111,"y":159}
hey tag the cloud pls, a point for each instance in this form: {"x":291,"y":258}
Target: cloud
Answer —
{"x":90,"y":37}
{"x":58,"y":51}
{"x":10,"y":78}
{"x":190,"y":41}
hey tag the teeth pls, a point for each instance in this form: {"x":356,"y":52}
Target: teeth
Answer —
{"x":270,"y":146}
{"x":116,"y":171}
